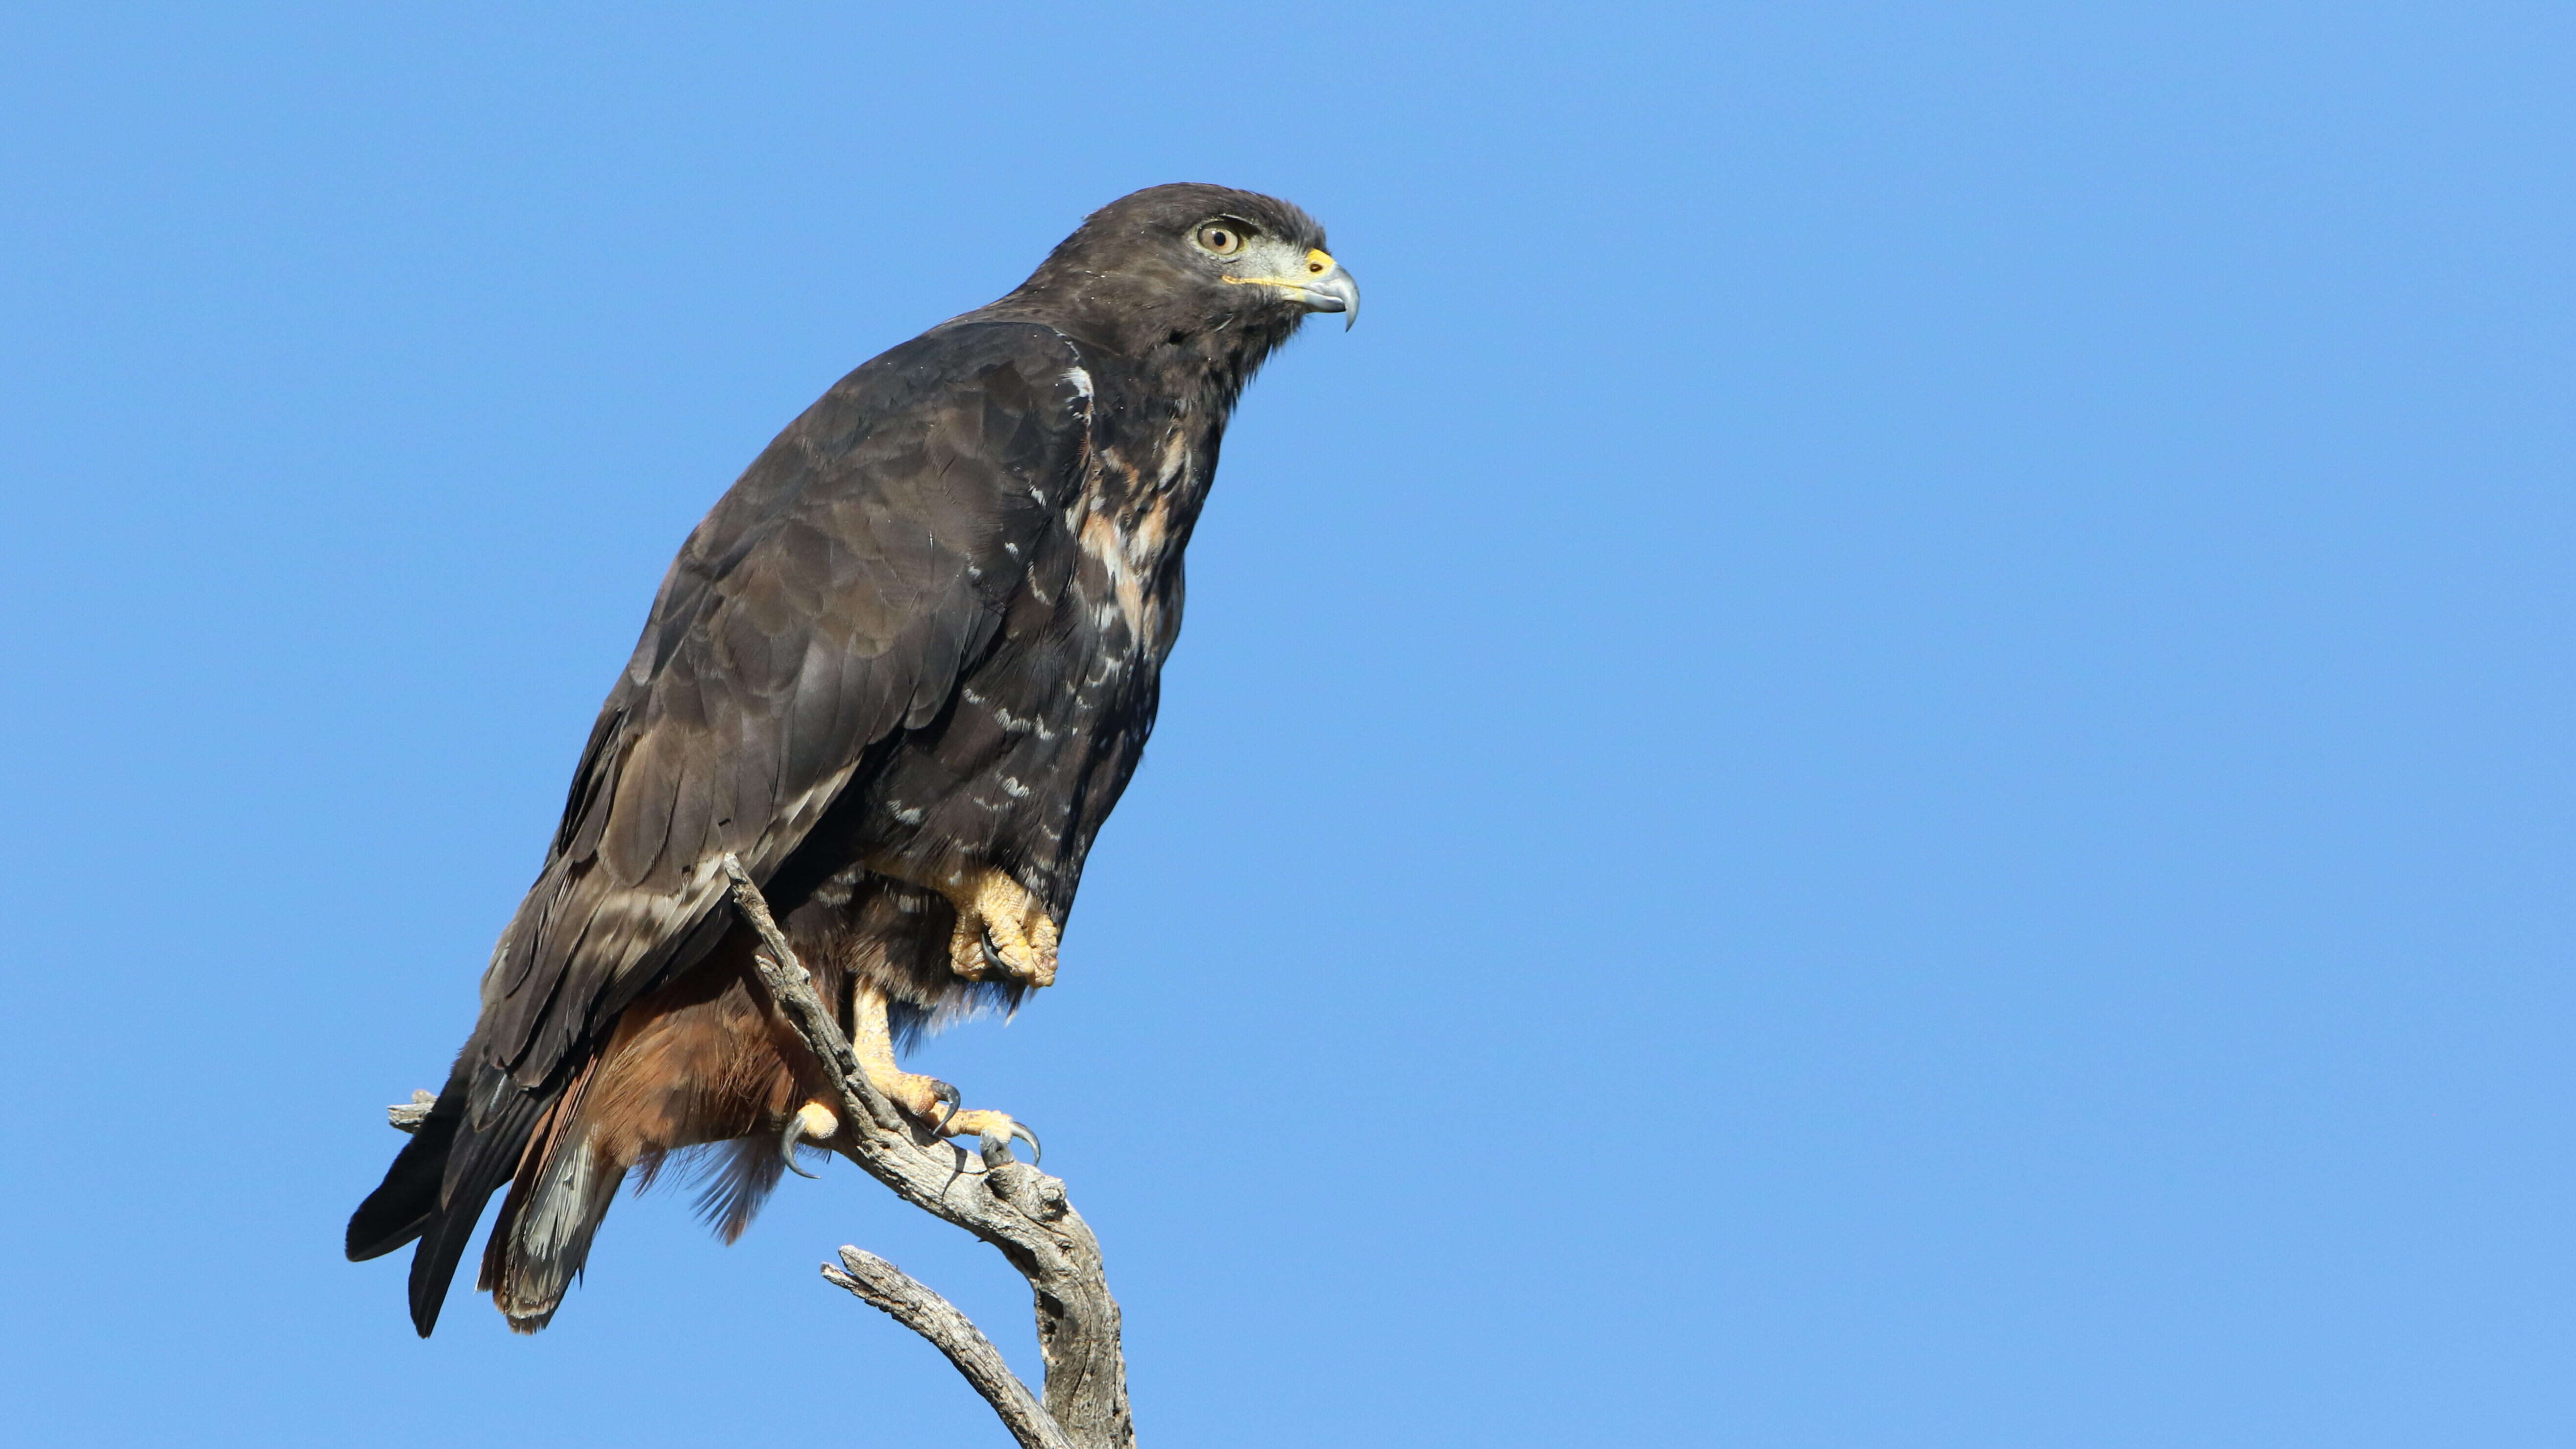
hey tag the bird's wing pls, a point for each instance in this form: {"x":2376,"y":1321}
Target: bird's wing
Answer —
{"x":829,"y":601}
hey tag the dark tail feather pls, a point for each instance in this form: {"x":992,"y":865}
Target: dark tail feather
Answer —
{"x":433,"y":1263}
{"x":436,"y":1189}
{"x":561,"y":1190}
{"x":401,"y":1207}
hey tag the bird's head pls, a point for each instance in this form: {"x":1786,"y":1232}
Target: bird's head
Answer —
{"x":1187,"y":260}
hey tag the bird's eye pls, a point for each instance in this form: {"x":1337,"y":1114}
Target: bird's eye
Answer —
{"x":1219,"y":239}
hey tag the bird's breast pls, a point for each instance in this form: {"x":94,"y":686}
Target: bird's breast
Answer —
{"x":1129,"y":528}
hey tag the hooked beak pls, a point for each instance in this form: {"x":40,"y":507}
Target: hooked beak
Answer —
{"x":1322,"y":286}
{"x":1339,"y":292}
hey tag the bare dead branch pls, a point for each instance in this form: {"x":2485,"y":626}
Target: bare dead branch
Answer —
{"x":407,"y":1116}
{"x":906,"y":1301}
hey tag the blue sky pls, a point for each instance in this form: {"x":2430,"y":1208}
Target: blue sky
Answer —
{"x":1884,"y":762}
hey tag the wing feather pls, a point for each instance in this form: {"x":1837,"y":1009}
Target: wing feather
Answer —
{"x":833,"y":597}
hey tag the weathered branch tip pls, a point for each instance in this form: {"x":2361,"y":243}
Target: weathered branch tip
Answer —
{"x":407,"y":1116}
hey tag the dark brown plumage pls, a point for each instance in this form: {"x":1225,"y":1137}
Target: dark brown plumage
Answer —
{"x":903,"y":669}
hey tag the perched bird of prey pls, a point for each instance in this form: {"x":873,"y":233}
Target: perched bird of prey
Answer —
{"x":903,"y":670}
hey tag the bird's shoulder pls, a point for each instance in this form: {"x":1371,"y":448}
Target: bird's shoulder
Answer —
{"x":962,"y":438}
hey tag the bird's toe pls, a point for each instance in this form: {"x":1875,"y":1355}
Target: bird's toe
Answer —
{"x":996,"y":1130}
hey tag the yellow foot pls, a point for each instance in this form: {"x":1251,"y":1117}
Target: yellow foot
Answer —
{"x":927,"y":1100}
{"x":993,"y":1127}
{"x":1000,"y":927}
{"x":933,"y":1103}
{"x":813,"y":1122}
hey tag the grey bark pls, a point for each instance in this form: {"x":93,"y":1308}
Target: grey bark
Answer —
{"x":407,"y":1116}
{"x":883,"y":1285}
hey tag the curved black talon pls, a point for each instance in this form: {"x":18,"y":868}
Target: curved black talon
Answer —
{"x":988,"y":1145}
{"x":992,"y":954}
{"x":787,"y":1144}
{"x":951,"y":1098}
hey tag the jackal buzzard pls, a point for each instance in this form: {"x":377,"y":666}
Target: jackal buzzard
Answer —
{"x":903,"y":669}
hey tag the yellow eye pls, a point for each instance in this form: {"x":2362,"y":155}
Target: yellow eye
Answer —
{"x":1219,"y":239}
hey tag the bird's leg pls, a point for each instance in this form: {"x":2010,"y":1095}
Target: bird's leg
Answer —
{"x":927,"y":1100}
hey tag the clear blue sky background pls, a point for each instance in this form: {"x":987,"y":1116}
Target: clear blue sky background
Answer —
{"x":1885,"y":762}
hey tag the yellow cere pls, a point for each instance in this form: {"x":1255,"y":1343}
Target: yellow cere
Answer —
{"x":1317,"y":264}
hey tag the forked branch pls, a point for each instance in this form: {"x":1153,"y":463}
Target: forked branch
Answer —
{"x":908,"y":1302}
